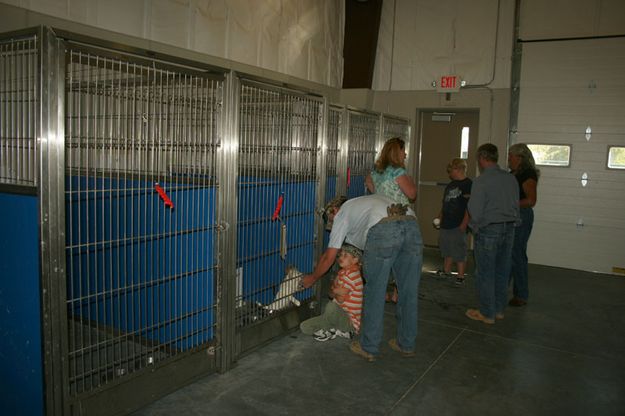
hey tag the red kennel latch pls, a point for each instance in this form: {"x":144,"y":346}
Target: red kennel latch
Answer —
{"x":276,"y":216}
{"x":163,"y":195}
{"x":276,"y":212}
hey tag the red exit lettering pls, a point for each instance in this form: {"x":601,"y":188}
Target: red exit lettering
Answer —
{"x":448,"y":82}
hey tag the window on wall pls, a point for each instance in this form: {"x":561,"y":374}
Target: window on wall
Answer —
{"x":551,"y":154}
{"x":616,"y":157}
{"x":464,"y":143}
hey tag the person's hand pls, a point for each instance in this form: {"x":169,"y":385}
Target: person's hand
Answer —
{"x":339,"y":293}
{"x":308,"y":280}
{"x":463,"y":228}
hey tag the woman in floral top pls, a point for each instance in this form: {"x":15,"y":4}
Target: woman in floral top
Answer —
{"x":390,"y":179}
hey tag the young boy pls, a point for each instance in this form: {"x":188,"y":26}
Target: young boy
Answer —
{"x":341,"y":316}
{"x":454,"y":218}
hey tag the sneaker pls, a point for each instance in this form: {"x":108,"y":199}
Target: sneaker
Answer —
{"x":319,"y":333}
{"x":443,"y":274}
{"x":326,"y":336}
{"x":395,"y":347}
{"x":459,"y":281}
{"x":340,"y":333}
{"x":357,"y":349}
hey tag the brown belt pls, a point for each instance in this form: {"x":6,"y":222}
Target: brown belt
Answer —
{"x":397,"y":212}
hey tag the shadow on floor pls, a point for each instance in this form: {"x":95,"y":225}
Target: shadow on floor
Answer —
{"x":560,"y":354}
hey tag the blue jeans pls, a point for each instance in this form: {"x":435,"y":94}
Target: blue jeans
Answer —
{"x":394,"y":246}
{"x":493,"y":250}
{"x":518,"y":273}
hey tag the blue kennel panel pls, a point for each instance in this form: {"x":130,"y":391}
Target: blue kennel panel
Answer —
{"x":330,"y":193}
{"x":260,"y":265}
{"x":20,"y":307}
{"x":330,"y":188}
{"x":356,"y":187}
{"x":138,"y":266}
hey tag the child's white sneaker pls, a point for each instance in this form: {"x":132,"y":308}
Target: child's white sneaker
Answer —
{"x":324,"y":336}
{"x":319,"y":333}
{"x":341,"y":334}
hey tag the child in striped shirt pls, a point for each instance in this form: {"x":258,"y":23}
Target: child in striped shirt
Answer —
{"x":341,"y":316}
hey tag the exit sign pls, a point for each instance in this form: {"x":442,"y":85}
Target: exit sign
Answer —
{"x":448,"y":83}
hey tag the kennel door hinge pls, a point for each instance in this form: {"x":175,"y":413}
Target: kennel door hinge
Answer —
{"x":283,"y":241}
{"x":223,"y":226}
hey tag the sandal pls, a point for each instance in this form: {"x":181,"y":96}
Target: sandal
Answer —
{"x":391,"y":297}
{"x":476,"y":315}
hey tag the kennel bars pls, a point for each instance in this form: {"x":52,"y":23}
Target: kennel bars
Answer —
{"x":156,"y":184}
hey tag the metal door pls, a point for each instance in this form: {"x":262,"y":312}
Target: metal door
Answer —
{"x":440,"y":141}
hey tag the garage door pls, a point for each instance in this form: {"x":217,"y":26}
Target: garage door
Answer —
{"x":573,"y":93}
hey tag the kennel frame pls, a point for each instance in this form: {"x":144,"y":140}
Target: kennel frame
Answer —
{"x":48,"y":183}
{"x":179,"y":366}
{"x":363,"y":136}
{"x":393,"y":126}
{"x":284,"y":128}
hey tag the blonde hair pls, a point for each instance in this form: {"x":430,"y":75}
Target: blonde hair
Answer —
{"x":526,"y":157}
{"x":390,"y":155}
{"x":457,"y":163}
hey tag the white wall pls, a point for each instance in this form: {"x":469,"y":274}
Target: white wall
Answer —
{"x":422,"y":40}
{"x":555,"y":19}
{"x":573,"y":77}
{"x":299,"y":38}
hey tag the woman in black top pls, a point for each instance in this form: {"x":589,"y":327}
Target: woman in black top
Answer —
{"x":522,"y":166}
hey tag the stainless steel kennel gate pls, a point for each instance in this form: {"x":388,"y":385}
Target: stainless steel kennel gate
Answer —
{"x":172,"y":197}
{"x":279,"y":176}
{"x":141,"y":146}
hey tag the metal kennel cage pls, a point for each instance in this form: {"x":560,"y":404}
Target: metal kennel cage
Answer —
{"x":117,"y":158}
{"x":335,"y":168}
{"x":394,"y":127}
{"x":280,"y":131}
{"x":159,"y":213}
{"x":141,"y":141}
{"x":19,"y":63}
{"x":363,"y":138}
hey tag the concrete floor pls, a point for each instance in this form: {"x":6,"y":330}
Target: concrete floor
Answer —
{"x":563,"y":354}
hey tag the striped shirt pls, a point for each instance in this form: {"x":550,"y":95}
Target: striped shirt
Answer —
{"x":351,"y":279}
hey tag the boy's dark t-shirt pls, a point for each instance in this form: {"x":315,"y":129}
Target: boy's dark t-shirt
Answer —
{"x":455,"y":201}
